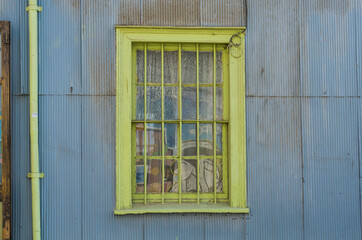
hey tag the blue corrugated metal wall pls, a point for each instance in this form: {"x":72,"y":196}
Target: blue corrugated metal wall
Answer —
{"x":304,"y":123}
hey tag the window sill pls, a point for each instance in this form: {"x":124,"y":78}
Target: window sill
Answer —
{"x":177,"y":208}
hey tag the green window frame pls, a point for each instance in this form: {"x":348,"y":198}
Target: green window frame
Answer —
{"x":229,"y":41}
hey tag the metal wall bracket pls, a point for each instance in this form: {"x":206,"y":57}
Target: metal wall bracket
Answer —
{"x":36,"y":8}
{"x":35,"y":175}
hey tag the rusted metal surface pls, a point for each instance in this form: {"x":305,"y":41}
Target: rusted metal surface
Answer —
{"x":5,"y":129}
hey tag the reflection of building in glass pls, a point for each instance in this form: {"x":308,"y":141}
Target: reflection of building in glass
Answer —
{"x":189,"y":166}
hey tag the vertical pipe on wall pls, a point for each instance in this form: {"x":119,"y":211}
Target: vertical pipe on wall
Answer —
{"x":33,"y":99}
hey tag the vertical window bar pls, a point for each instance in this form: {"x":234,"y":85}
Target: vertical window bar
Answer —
{"x":180,"y":123}
{"x":215,"y":167}
{"x":144,"y":126}
{"x":198,"y":124}
{"x":163,"y":126}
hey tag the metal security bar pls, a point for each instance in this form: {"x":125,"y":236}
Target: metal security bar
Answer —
{"x":217,"y":157}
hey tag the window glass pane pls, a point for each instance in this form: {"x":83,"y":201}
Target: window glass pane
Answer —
{"x":189,"y":140}
{"x":140,"y":177}
{"x":170,"y":66}
{"x":154,"y":139}
{"x":154,"y":175}
{"x":154,"y":103}
{"x":171,"y":103}
{"x":219,"y":73}
{"x":154,"y":66}
{"x":206,"y":140}
{"x":189,"y":103}
{"x":139,"y":139}
{"x":0,"y":54}
{"x":140,"y":111}
{"x":219,"y":139}
{"x":206,"y":67}
{"x":189,"y":175}
{"x":140,"y":66}
{"x":188,"y":66}
{"x":206,"y":175}
{"x":170,"y":174}
{"x":171,"y":139}
{"x":219,"y":175}
{"x":219,"y":103}
{"x":206,"y":105}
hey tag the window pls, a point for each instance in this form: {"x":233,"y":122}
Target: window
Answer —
{"x":180,"y":120}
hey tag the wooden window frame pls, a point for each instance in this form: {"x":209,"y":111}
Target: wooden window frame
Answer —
{"x":125,"y":36}
{"x":5,"y":129}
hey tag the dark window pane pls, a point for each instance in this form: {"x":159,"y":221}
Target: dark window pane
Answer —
{"x":154,"y":103}
{"x":206,"y":67}
{"x":154,"y":139}
{"x":170,"y":66}
{"x":154,"y":175}
{"x":171,"y":103}
{"x":140,"y":111}
{"x":171,"y":139}
{"x":140,"y":177}
{"x":188,"y":66}
{"x":140,"y":66}
{"x":139,"y":139}
{"x":189,"y":103}
{"x":154,"y":66}
{"x":206,"y":140}
{"x":206,"y":105}
{"x":189,"y":140}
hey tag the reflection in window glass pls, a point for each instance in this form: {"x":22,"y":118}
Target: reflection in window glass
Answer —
{"x":1,"y":143}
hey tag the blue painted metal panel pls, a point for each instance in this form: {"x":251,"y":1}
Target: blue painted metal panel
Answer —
{"x":359,"y":45}
{"x":328,"y":47}
{"x":98,"y":174}
{"x":331,"y":173}
{"x":174,"y":226}
{"x":272,"y":48}
{"x":20,"y":154}
{"x":60,"y":155}
{"x":60,"y":47}
{"x":223,"y":13}
{"x":230,"y":226}
{"x":274,"y":168}
{"x":98,"y":42}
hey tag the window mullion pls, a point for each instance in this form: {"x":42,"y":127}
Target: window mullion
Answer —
{"x":214,"y":127}
{"x":163,"y":125}
{"x":198,"y":124}
{"x":180,"y":124}
{"x":145,"y":125}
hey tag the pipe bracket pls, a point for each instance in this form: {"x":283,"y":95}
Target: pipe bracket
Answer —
{"x":36,"y":8}
{"x":35,"y":175}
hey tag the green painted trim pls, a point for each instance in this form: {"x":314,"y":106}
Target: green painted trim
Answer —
{"x":181,"y":208}
{"x":234,"y":109}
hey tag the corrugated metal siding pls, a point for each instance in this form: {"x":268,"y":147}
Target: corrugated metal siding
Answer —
{"x":21,"y":190}
{"x":60,"y":153}
{"x":328,"y":44}
{"x":98,"y":174}
{"x":294,"y":48}
{"x":272,"y":52}
{"x":223,"y":13}
{"x":275,"y":191}
{"x":331,"y":174}
{"x":60,"y":47}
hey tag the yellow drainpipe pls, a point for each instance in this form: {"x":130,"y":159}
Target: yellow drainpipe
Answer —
{"x":33,"y":9}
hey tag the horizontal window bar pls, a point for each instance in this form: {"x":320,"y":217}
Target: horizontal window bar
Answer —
{"x":182,"y":85}
{"x":177,"y":157}
{"x":178,"y":121}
